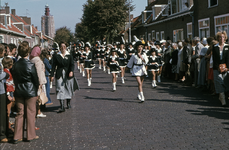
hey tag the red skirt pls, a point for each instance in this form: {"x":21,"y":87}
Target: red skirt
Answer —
{"x":210,"y":74}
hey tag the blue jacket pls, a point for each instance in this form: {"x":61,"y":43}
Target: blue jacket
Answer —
{"x":3,"y":76}
{"x":48,"y":67}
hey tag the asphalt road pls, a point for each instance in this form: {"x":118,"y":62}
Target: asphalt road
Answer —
{"x":173,"y":117}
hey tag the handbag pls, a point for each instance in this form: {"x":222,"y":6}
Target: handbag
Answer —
{"x":222,"y":68}
{"x":42,"y":98}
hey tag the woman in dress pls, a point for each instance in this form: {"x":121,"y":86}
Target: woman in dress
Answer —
{"x":174,"y":59}
{"x":63,"y":65}
{"x":138,"y":62}
{"x":122,"y":59}
{"x":153,"y":66}
{"x":113,"y":63}
{"x":220,"y":55}
{"x":88,"y":63}
{"x":26,"y":83}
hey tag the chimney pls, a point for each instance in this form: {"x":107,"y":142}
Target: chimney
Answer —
{"x":13,"y":12}
{"x":7,"y":8}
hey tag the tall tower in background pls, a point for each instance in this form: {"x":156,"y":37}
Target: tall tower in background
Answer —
{"x":47,"y":23}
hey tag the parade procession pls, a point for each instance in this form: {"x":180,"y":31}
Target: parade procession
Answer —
{"x":156,"y":81}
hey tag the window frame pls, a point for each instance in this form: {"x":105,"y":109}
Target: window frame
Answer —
{"x":223,"y":24}
{"x":202,"y":28}
{"x":162,"y":32}
{"x":189,"y":33}
{"x":157,"y":36}
{"x":209,"y":5}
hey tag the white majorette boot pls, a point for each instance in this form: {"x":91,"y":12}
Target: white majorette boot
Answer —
{"x":100,"y":67}
{"x":104,"y":69}
{"x":80,"y":70}
{"x":222,"y":98}
{"x":155,"y":85}
{"x":78,"y":67}
{"x":142,"y":97}
{"x":108,"y":71}
{"x":123,"y":81}
{"x":159,"y":78}
{"x":89,"y":82}
{"x":139,"y":96}
{"x":114,"y":86}
{"x":83,"y":74}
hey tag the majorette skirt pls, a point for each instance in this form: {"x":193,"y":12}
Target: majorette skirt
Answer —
{"x":89,"y":65}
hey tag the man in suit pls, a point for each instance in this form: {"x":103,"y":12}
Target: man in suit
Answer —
{"x":195,"y":57}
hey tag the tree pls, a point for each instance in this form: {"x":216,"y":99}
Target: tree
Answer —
{"x":81,"y":32}
{"x":63,"y":34}
{"x":104,"y":18}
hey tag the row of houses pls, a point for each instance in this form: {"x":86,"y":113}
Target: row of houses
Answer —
{"x":179,"y":19}
{"x":15,"y":29}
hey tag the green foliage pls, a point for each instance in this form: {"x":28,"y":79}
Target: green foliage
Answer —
{"x":102,"y":18}
{"x":63,"y":34}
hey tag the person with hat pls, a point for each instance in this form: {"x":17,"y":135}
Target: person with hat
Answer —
{"x":88,"y":62}
{"x":82,"y":55}
{"x":202,"y":73}
{"x":130,"y":51}
{"x":159,"y":54}
{"x":113,"y":63}
{"x":102,"y":52}
{"x":153,"y":66}
{"x":122,"y":59}
{"x":107,"y":54}
{"x":98,"y":55}
{"x":137,"y":62}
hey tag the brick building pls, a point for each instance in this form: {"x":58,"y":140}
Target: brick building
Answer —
{"x":179,"y":19}
{"x":15,"y":29}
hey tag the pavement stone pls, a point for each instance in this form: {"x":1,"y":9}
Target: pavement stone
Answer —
{"x":173,"y":117}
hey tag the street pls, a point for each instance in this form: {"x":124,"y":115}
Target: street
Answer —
{"x":173,"y":117}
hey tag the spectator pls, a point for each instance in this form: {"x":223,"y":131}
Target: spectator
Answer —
{"x":220,"y":55}
{"x":3,"y":109}
{"x":12,"y":52}
{"x":8,"y":64}
{"x":174,"y":59}
{"x":26,"y":86}
{"x":44,"y":57}
{"x":180,"y":65}
{"x":202,"y":73}
{"x":35,"y":58}
{"x":198,"y":46}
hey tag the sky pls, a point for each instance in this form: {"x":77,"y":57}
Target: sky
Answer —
{"x":66,"y":12}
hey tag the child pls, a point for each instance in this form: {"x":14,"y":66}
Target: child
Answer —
{"x":8,"y":63}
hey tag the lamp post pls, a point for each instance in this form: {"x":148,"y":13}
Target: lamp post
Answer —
{"x":129,"y":24}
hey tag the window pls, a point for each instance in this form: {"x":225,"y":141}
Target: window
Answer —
{"x":189,"y":30}
{"x":153,"y":35}
{"x":178,"y":35}
{"x":11,"y":40}
{"x":222,"y":23}
{"x":162,"y":35}
{"x":204,"y":28}
{"x":149,"y":37}
{"x":1,"y":39}
{"x":212,"y":3}
{"x":157,"y":36}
